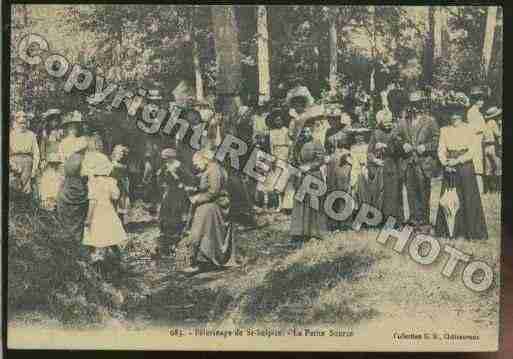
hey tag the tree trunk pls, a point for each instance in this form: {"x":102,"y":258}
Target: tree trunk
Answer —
{"x":197,"y":71}
{"x":333,"y":54}
{"x":226,"y":38}
{"x":491,"y":21}
{"x":198,"y":80}
{"x":437,"y":33}
{"x":264,"y":75}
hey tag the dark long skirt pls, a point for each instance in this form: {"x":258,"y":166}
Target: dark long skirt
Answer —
{"x":369,"y":190}
{"x":241,"y":202}
{"x":175,"y":205}
{"x":72,"y":217}
{"x":339,"y":179}
{"x":392,"y":198}
{"x":470,"y":221}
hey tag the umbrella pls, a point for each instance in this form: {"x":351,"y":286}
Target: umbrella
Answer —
{"x":450,"y":205}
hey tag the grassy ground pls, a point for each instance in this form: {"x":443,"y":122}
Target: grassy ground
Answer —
{"x":347,"y":279}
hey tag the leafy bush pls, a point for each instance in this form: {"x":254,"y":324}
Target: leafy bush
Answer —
{"x":45,"y":270}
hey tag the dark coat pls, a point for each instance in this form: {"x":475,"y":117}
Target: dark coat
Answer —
{"x":425,"y":132}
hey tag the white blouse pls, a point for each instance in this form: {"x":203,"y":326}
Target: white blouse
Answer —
{"x":456,"y":138}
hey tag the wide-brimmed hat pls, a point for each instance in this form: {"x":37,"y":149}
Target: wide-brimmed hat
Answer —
{"x":300,"y":91}
{"x":455,"y":108}
{"x":493,"y":112}
{"x":478,"y":91}
{"x":72,"y":117}
{"x":54,"y":158}
{"x":96,"y":164}
{"x":154,"y":94}
{"x":51,"y":112}
{"x":168,"y":153}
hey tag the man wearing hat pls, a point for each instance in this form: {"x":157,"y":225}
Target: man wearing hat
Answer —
{"x":491,"y":140}
{"x":23,"y":152}
{"x":476,"y":121}
{"x":418,"y":135}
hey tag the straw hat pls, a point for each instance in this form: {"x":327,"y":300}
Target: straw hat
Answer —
{"x":493,"y":112}
{"x":51,"y":112}
{"x":72,"y":117}
{"x":154,"y":95}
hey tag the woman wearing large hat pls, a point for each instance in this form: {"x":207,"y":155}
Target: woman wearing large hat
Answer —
{"x":307,"y":222}
{"x":73,"y":130}
{"x":476,"y":122}
{"x":383,"y":165}
{"x":460,"y":213}
{"x":72,"y":200}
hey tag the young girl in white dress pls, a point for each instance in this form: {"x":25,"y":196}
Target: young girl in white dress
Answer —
{"x":105,"y":230}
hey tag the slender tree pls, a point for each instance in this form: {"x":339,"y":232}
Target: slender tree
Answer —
{"x":491,"y":21}
{"x":333,"y":39}
{"x":264,"y":74}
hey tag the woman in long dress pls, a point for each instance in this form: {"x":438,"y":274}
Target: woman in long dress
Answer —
{"x":456,"y":154}
{"x":307,"y":222}
{"x":72,"y":201}
{"x":338,"y":145}
{"x":211,"y":238}
{"x":383,"y":162}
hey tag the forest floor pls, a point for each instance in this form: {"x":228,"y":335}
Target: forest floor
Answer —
{"x":349,"y":279}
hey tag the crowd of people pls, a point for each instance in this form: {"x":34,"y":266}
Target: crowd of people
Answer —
{"x":65,"y":169}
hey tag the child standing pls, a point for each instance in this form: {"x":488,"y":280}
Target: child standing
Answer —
{"x":120,"y":173}
{"x":105,"y":231}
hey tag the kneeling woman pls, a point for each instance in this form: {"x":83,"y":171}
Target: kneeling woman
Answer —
{"x":461,"y":217}
{"x":211,"y":239}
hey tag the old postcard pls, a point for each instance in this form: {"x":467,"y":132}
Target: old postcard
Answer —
{"x":236,"y":177}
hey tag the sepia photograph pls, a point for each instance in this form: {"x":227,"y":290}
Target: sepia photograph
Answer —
{"x":254,"y":177}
